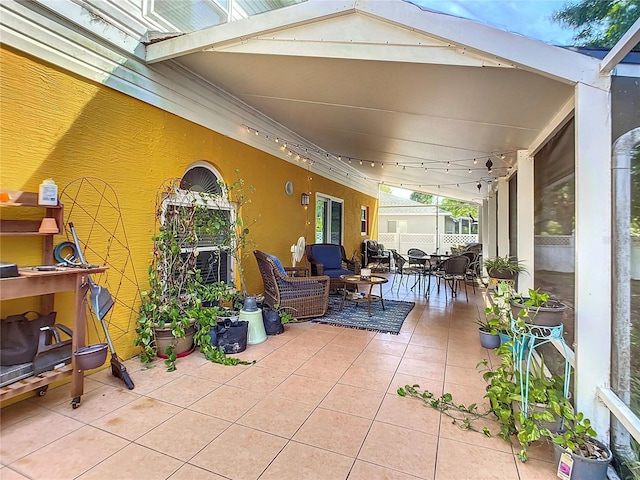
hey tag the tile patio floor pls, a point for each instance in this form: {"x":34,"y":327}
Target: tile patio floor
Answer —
{"x":320,"y":403}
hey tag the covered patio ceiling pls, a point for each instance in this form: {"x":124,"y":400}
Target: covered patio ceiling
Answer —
{"x":384,"y":92}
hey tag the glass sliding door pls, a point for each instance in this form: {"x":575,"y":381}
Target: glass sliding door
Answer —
{"x":329,"y":216}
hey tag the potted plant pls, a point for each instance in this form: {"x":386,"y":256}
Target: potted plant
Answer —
{"x":172,"y":306}
{"x":539,"y":399}
{"x":590,"y":458}
{"x":504,"y":268}
{"x":489,"y":337}
{"x":498,"y":312}
{"x":212,"y":293}
{"x":538,"y":309}
{"x":166,"y":323}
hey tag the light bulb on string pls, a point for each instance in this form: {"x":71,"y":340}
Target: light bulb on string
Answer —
{"x":373,"y":164}
{"x":277,"y":140}
{"x":475,"y":161}
{"x":360,"y":162}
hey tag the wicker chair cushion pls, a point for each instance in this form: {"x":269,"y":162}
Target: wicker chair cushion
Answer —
{"x":278,"y":263}
{"x":336,"y":272}
{"x":328,"y":255}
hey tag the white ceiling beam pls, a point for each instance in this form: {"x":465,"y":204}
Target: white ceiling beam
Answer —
{"x":555,"y":62}
{"x":620,"y":49}
{"x":83,"y":17}
{"x":237,"y":31}
{"x":562,"y":116}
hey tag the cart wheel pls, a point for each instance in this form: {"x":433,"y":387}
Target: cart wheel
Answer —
{"x":42,"y":391}
{"x":75,"y":403}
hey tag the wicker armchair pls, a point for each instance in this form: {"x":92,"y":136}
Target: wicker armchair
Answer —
{"x":302,"y":297}
{"x":330,"y":259}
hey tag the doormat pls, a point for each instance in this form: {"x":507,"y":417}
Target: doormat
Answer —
{"x":356,"y":315}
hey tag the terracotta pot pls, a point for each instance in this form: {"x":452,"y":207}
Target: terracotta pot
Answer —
{"x":164,"y":338}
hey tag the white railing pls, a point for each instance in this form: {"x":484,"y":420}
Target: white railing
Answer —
{"x":424,"y":241}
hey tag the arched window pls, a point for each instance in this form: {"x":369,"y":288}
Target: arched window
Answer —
{"x":213,"y":259}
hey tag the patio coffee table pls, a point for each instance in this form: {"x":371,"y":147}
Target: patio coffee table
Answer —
{"x":357,"y":297}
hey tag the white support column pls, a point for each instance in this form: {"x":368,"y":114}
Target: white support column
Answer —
{"x":484,"y":228}
{"x":503,"y":217}
{"x":593,"y":244}
{"x":492,"y":226}
{"x":526,"y":231}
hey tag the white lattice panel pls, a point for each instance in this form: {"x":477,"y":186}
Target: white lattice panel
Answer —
{"x":559,"y":240}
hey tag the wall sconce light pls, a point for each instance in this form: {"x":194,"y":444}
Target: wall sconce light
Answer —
{"x":304,"y":199}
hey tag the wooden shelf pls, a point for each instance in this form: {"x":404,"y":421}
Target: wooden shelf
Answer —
{"x":29,"y":227}
{"x":45,"y":284}
{"x":33,"y":383}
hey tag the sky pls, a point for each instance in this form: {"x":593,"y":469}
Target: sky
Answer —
{"x":530,"y":18}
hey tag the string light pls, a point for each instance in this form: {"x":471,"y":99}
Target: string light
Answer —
{"x":451,"y":165}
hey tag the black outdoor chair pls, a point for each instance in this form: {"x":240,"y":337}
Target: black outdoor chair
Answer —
{"x":472,"y":268}
{"x":455,"y":271}
{"x":403,"y":269}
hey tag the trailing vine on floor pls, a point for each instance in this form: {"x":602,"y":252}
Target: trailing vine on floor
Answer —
{"x":461,"y":415}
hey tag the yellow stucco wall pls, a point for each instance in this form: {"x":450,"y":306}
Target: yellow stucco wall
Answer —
{"x":54,"y":124}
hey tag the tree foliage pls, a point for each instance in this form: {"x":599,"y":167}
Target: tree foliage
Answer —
{"x":422,"y":198}
{"x":455,"y":207}
{"x":459,"y":209}
{"x":599,"y":23}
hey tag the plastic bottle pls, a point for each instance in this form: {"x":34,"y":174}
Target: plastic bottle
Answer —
{"x":48,"y":193}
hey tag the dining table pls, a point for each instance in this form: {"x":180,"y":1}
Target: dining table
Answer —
{"x":426,"y":265}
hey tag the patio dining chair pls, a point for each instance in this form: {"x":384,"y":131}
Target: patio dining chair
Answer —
{"x":403,"y":269}
{"x":455,"y":271}
{"x":472,"y":268}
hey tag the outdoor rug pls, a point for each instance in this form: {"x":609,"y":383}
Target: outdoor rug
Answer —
{"x":355,"y":315}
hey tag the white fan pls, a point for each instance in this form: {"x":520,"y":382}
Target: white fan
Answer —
{"x":297,"y":251}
